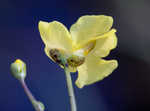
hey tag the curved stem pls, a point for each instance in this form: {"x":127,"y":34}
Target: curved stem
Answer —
{"x":70,"y":90}
{"x":27,"y":91}
{"x":36,"y":104}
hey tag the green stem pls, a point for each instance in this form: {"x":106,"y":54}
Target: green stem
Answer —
{"x":70,"y":90}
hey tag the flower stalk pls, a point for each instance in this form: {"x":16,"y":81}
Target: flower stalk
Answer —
{"x":70,"y":90}
{"x":69,"y":84}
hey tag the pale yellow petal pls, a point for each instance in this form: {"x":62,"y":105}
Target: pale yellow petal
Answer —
{"x":104,"y":45}
{"x":55,"y":35}
{"x":94,"y":69}
{"x":88,"y":27}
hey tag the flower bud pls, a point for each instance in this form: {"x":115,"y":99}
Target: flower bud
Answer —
{"x":18,"y":69}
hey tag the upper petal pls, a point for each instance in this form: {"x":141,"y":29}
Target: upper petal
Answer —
{"x":94,"y":69}
{"x":55,"y":35}
{"x":88,"y":27}
{"x":105,"y":44}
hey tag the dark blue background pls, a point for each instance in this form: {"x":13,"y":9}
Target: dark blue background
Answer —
{"x":127,"y":89}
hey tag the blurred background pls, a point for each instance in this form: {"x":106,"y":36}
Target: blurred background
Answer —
{"x":126,"y":89}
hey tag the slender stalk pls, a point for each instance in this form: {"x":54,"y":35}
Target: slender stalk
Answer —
{"x":36,"y":104}
{"x":27,"y":91}
{"x":70,"y":90}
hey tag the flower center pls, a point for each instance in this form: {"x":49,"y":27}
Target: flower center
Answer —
{"x":72,"y":60}
{"x":89,"y":47}
{"x":84,"y":51}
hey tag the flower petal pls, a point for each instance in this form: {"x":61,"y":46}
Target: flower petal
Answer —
{"x":88,"y":27}
{"x":55,"y":35}
{"x":94,"y":69}
{"x":105,"y":44}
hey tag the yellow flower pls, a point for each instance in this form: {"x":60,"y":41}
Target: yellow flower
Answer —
{"x":88,"y":41}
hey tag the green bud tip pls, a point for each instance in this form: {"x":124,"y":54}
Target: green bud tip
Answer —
{"x":18,"y":69}
{"x":39,"y":106}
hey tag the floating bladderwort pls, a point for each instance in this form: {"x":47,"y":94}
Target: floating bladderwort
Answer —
{"x":81,"y":49}
{"x":18,"y":70}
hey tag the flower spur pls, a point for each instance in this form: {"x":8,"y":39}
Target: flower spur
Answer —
{"x":89,"y":40}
